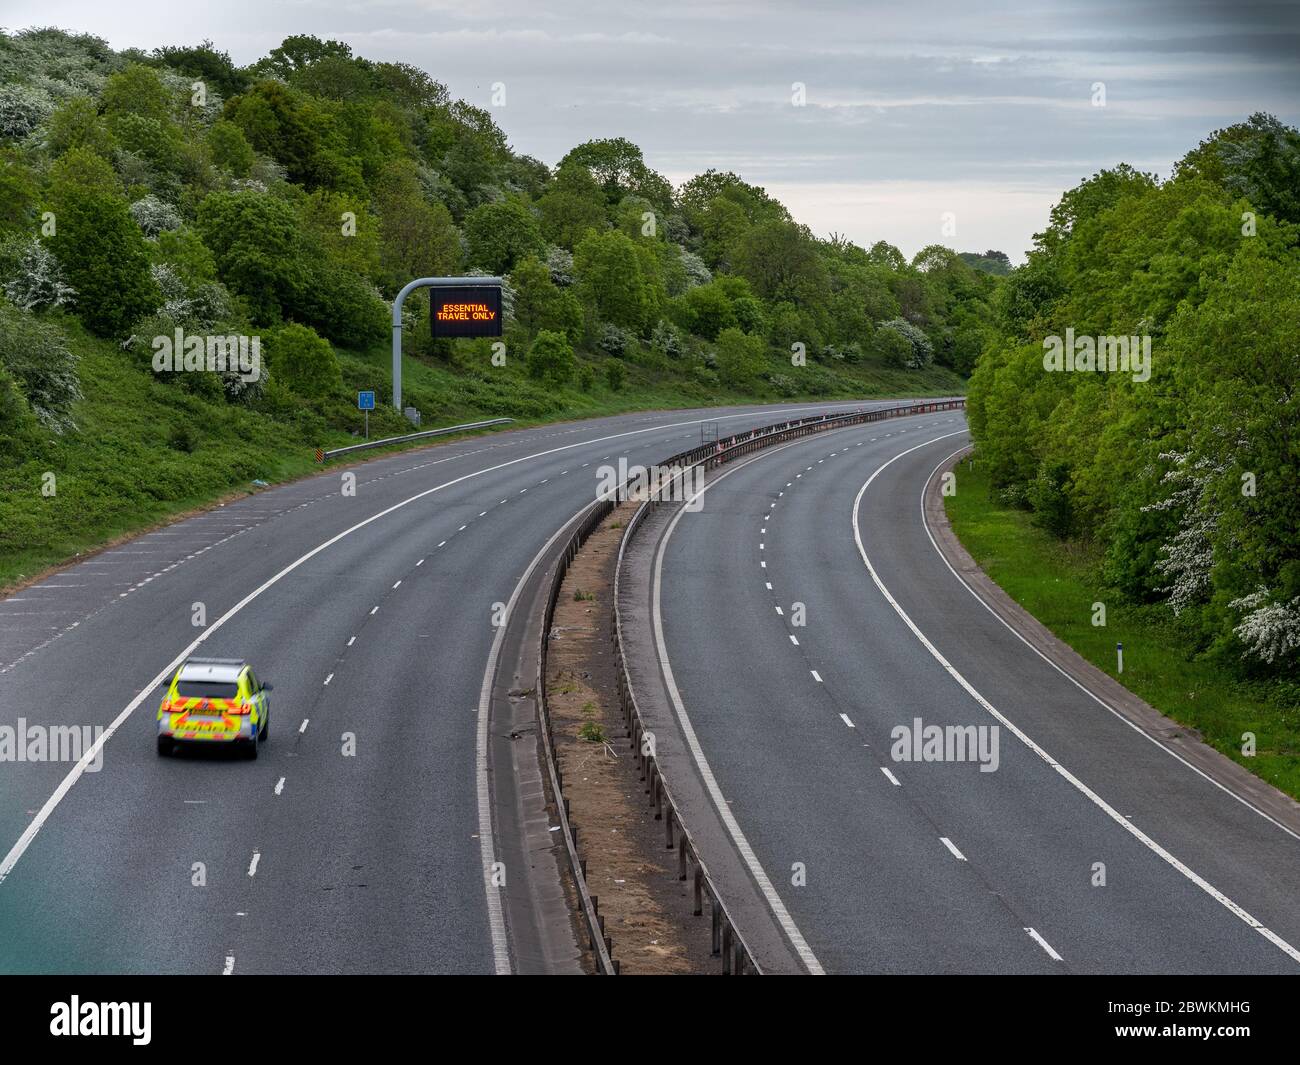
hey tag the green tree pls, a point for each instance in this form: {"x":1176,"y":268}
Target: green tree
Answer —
{"x":780,"y":260}
{"x":619,"y":279}
{"x":76,"y":124}
{"x":203,"y":62}
{"x":919,"y":351}
{"x":230,"y":148}
{"x":550,"y":359}
{"x":101,"y":249}
{"x":417,"y":238}
{"x":17,"y":192}
{"x":500,"y":234}
{"x":254,"y":238}
{"x":619,"y":168}
{"x":300,"y":358}
{"x":740,"y":358}
{"x":706,"y":310}
{"x":572,"y":205}
{"x":280,"y":123}
{"x":535,"y":295}
{"x":137,"y":90}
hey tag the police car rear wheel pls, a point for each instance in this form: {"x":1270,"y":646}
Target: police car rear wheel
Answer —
{"x":164,"y":746}
{"x":250,"y":748}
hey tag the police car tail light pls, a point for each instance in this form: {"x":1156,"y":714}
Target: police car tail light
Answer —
{"x":240,"y":708}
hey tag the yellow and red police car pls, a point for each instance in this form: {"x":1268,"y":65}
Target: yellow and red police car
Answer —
{"x":214,"y":700}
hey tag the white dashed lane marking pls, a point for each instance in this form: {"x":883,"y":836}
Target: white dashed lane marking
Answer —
{"x":1044,"y":944}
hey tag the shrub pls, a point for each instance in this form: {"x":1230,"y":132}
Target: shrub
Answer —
{"x":783,"y":385}
{"x":740,"y":357}
{"x":14,"y":412}
{"x":1048,"y":494}
{"x":182,"y":438}
{"x":613,"y":341}
{"x":614,"y":374}
{"x":919,"y":352}
{"x":667,"y":340}
{"x":550,"y":359}
{"x":304,"y":361}
{"x":36,"y":355}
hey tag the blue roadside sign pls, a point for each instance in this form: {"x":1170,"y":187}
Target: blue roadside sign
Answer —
{"x":366,"y":400}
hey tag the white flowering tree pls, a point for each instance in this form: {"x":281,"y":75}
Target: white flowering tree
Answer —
{"x":155,"y":216}
{"x":37,"y":281}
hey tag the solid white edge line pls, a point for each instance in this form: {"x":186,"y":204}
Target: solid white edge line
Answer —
{"x":1077,"y":683}
{"x":1096,"y":799}
{"x":742,"y":845}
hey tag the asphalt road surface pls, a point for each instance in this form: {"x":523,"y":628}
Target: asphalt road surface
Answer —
{"x":1088,"y":849}
{"x":355,"y":842}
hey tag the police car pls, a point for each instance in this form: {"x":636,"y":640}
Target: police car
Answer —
{"x":214,"y":700}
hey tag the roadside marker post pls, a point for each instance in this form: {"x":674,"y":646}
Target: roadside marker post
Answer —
{"x":1119,"y":651}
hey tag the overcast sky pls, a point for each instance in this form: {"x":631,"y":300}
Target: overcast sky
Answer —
{"x":981,"y":109}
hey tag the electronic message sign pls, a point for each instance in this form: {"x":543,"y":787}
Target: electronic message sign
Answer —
{"x":465,"y":311}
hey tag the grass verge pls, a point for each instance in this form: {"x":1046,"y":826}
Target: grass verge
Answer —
{"x":1058,"y":583}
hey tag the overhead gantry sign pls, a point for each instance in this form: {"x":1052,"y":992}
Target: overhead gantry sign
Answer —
{"x":458,"y":307}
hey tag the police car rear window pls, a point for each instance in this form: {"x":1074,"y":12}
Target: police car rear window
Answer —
{"x":207,"y":689}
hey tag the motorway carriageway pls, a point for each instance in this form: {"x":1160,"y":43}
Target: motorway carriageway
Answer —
{"x":932,"y":867}
{"x":372,"y":617}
